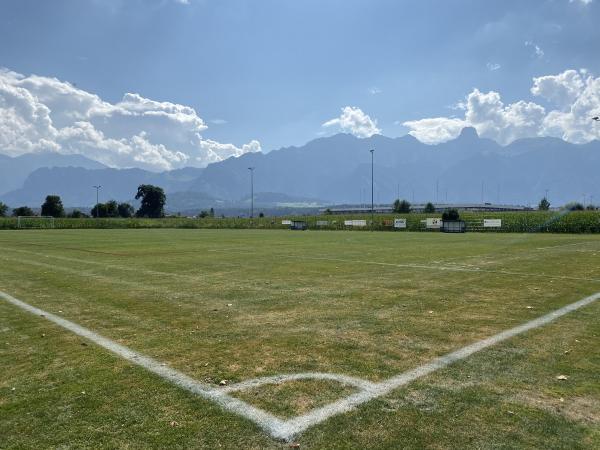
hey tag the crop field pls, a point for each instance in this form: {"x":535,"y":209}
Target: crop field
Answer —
{"x":266,"y":339}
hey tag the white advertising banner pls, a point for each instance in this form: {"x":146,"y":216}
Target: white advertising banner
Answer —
{"x":433,"y":223}
{"x":286,"y":222}
{"x":492,"y":223}
{"x":355,"y":223}
{"x":399,"y":223}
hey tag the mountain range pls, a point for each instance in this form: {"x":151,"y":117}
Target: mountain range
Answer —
{"x":335,"y":169}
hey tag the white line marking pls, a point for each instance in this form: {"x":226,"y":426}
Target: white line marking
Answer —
{"x":287,"y":429}
{"x":277,"y":379}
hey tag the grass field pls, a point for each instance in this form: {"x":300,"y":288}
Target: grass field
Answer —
{"x":237,"y":305}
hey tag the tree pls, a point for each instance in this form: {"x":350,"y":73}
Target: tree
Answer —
{"x":53,"y":207}
{"x":112,"y":209}
{"x":3,"y":209}
{"x":575,"y":206}
{"x":401,"y":206}
{"x":450,"y":214}
{"x":211,"y":213}
{"x":125,"y":210}
{"x":152,"y":202}
{"x":203,"y":214}
{"x":591,"y":208}
{"x":23,"y":211}
{"x":261,"y":214}
{"x":99,"y":210}
{"x":544,"y":204}
{"x":429,"y":208}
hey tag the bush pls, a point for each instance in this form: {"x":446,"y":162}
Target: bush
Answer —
{"x":429,"y":208}
{"x":401,"y":206}
{"x":450,"y":214}
{"x":23,"y":211}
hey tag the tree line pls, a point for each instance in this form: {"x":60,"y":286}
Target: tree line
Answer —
{"x":152,"y":204}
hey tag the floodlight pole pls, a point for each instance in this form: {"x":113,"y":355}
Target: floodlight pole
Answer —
{"x":372,"y":184}
{"x":97,"y":208}
{"x":251,"y":169}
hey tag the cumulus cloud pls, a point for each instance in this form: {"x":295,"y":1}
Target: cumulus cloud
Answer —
{"x":353,"y":120}
{"x":574,"y":96}
{"x":45,"y":114}
{"x":492,"y":67}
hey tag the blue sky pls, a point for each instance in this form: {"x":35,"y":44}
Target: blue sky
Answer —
{"x":275,"y":71}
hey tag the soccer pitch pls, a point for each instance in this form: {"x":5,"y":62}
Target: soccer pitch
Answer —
{"x":333,"y":317}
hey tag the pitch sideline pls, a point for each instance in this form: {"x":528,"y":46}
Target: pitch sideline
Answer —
{"x":288,"y":429}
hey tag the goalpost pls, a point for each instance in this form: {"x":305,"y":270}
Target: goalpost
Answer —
{"x":35,"y":222}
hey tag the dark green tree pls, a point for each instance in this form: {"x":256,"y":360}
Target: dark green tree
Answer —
{"x":203,"y":214}
{"x":211,"y":213}
{"x":591,"y":208}
{"x":126,"y":210}
{"x":152,"y":201}
{"x":401,"y":206}
{"x":575,"y":206}
{"x":450,"y":214}
{"x":53,"y":207}
{"x":99,"y":210}
{"x":261,"y":214}
{"x":544,"y":204}
{"x":429,"y":208}
{"x":112,"y":208}
{"x":3,"y":209}
{"x":23,"y":211}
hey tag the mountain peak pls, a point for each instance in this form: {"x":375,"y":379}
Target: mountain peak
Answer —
{"x":468,"y":133}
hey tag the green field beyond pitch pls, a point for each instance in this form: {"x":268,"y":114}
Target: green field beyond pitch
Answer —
{"x":241,"y":304}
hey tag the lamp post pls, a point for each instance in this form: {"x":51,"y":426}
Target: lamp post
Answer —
{"x":251,"y":169}
{"x":97,"y":207}
{"x":372,"y":184}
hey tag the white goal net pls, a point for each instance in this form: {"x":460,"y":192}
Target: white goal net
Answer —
{"x":35,"y":222}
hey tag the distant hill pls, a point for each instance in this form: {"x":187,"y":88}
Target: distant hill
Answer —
{"x":14,"y":171}
{"x":74,"y":184}
{"x":337,"y":169}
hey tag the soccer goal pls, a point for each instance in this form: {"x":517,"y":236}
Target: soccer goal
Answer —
{"x":35,"y":222}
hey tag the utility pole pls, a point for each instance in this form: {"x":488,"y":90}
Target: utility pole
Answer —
{"x":97,"y":202}
{"x":372,"y":184}
{"x":251,"y":169}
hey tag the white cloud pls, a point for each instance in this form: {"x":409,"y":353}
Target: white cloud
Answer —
{"x":436,"y":129}
{"x":492,"y":67}
{"x":218,"y":121}
{"x":562,"y":89}
{"x":41,"y":114}
{"x":575,"y":94}
{"x":375,"y":90}
{"x":585,"y":2}
{"x":354,"y":120}
{"x":537,"y":51}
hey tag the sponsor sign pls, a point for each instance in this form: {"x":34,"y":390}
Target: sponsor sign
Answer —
{"x":322,"y":223}
{"x":399,"y":223}
{"x":355,"y":223}
{"x":433,"y":223}
{"x":492,"y":223}
{"x":286,"y":222}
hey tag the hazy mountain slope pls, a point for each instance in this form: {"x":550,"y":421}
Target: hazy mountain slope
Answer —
{"x":14,"y":171}
{"x":337,"y":169}
{"x":74,"y":184}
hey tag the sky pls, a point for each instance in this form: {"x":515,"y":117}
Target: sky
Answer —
{"x":163,"y":84}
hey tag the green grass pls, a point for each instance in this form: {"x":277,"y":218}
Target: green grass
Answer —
{"x":300,"y":302}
